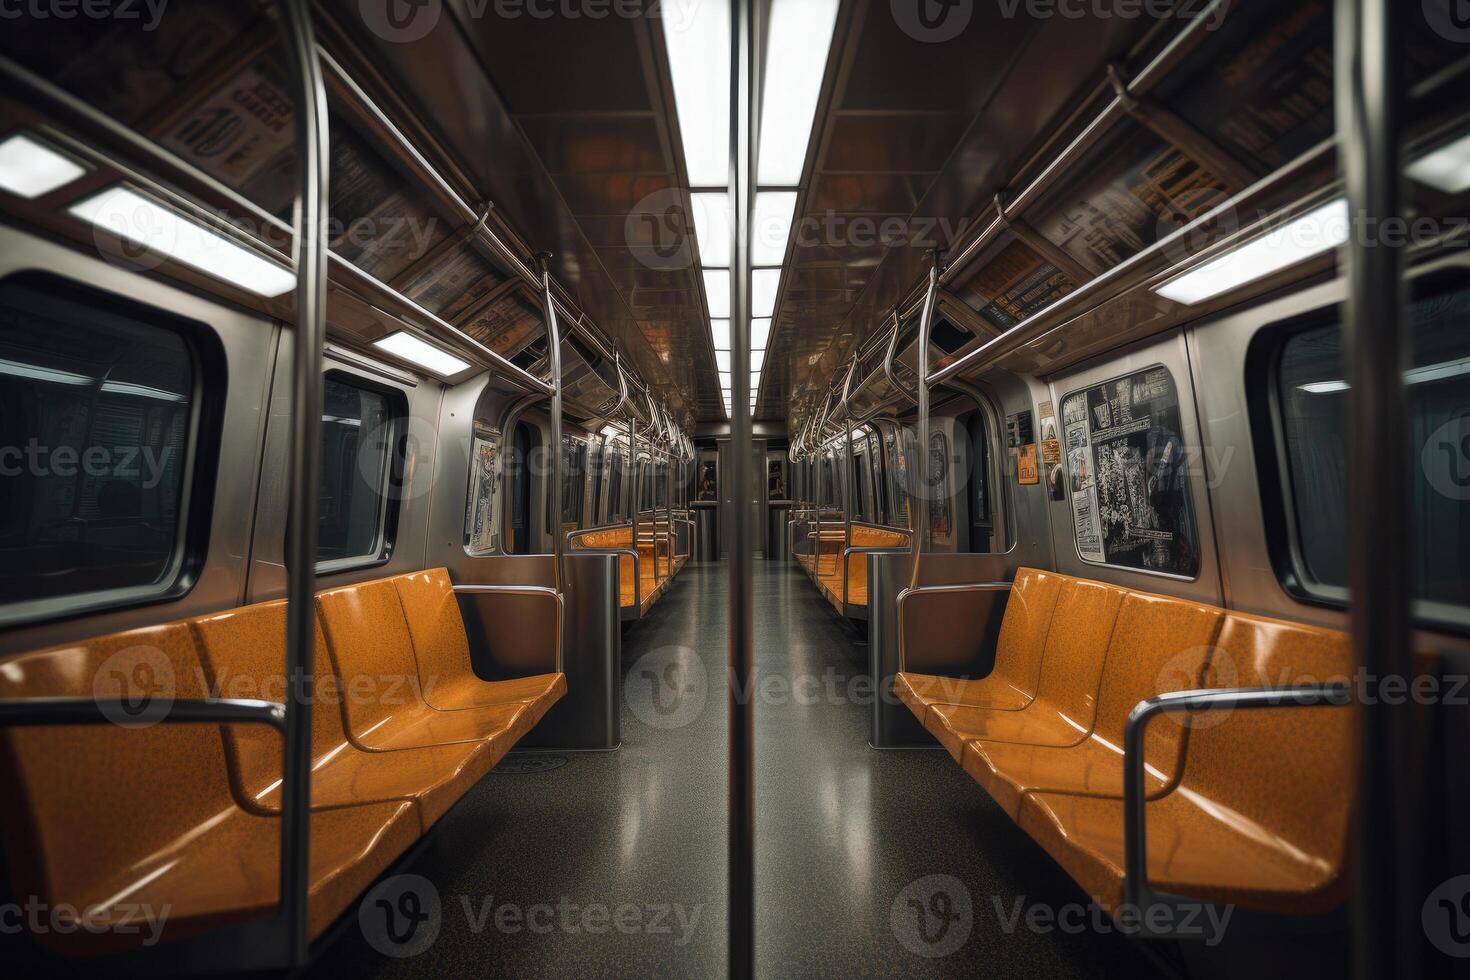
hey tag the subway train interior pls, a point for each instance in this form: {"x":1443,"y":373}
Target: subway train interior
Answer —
{"x":797,"y":488}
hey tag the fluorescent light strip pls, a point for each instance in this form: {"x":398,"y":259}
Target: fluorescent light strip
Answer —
{"x":149,"y":224}
{"x":796,"y":59}
{"x":717,"y":293}
{"x":141,"y":391}
{"x":410,"y":348}
{"x":697,"y":36}
{"x":30,"y":168}
{"x":1319,"y":230}
{"x":1446,"y":168}
{"x":771,"y":226}
{"x":33,"y":372}
{"x":1416,"y":376}
{"x":712,"y":226}
{"x":764,"y":284}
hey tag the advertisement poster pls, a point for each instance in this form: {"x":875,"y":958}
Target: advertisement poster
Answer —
{"x":481,"y":517}
{"x":1015,"y":284}
{"x":1051,"y":452}
{"x":1125,"y":455}
{"x":1027,"y":472}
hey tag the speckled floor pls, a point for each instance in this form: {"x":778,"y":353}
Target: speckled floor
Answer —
{"x":868,"y":863}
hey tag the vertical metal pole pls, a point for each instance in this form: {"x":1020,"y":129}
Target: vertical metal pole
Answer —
{"x":848,"y":488}
{"x":1368,"y":83}
{"x":919,"y":495}
{"x":741,"y":856}
{"x":633,"y":473}
{"x":553,"y":340}
{"x":310,"y":246}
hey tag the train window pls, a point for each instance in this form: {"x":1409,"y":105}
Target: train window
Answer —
{"x":615,"y":475}
{"x":941,"y":520}
{"x":1312,"y":393}
{"x":573,"y":472}
{"x":98,"y":406}
{"x":896,"y":447}
{"x":595,"y":455}
{"x":1128,"y":478}
{"x":875,"y":475}
{"x":359,"y":468}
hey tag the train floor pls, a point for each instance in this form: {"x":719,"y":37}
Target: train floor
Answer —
{"x":869,"y":863}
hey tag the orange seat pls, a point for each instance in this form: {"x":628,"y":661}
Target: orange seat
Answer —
{"x":370,"y":645}
{"x":1065,"y":704}
{"x":244,"y":653}
{"x":1011,"y":684}
{"x":637,"y":580}
{"x":1247,"y":823}
{"x":442,"y":652}
{"x":110,"y":818}
{"x":1158,"y":645}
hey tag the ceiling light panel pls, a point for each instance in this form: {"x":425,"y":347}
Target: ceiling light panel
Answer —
{"x":697,"y":36}
{"x":796,"y":59}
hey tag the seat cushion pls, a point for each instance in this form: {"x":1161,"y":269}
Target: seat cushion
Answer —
{"x":1008,"y":770}
{"x":1192,"y":851}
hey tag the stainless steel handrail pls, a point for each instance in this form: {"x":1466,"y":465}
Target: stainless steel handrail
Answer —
{"x":921,"y":498}
{"x":553,"y":335}
{"x":310,"y":243}
{"x":1136,"y":891}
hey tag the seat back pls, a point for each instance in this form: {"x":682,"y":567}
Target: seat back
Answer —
{"x":1159,"y":644}
{"x":440,"y":644}
{"x":604,"y":537}
{"x":90,"y":802}
{"x":873,"y":537}
{"x":371,"y":652}
{"x":1288,"y":770}
{"x":1076,"y":647}
{"x":244,"y":656}
{"x":1024,"y":628}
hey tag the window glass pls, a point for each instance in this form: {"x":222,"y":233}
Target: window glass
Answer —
{"x":941,"y":520}
{"x":95,"y":413}
{"x":1128,"y":479}
{"x":875,"y":474}
{"x":573,"y":467}
{"x":359,"y":432}
{"x":1313,"y":392}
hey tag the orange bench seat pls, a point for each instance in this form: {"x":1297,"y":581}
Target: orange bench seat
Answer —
{"x":1228,"y":817}
{"x":186,"y":815}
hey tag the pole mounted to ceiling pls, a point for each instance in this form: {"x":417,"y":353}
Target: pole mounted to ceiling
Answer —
{"x":744,"y":70}
{"x":1368,"y":80}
